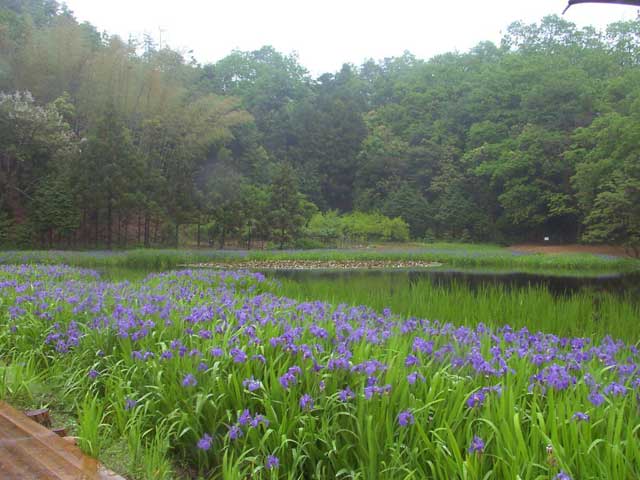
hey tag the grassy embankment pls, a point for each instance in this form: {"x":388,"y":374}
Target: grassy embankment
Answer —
{"x":451,"y":255}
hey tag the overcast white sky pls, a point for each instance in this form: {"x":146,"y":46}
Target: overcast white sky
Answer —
{"x":328,"y":33}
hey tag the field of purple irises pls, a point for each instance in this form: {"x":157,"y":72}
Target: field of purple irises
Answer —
{"x":214,"y":375}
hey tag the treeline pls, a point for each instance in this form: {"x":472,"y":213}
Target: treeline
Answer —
{"x":111,"y":143}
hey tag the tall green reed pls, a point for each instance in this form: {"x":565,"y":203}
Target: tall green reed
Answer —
{"x":584,"y":313}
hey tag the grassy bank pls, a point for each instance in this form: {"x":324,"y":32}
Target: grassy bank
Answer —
{"x":450,"y":255}
{"x":200,"y":374}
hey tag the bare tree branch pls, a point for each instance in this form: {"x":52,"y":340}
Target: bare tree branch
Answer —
{"x":621,"y":2}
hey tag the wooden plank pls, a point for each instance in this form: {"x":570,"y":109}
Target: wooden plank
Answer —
{"x":17,"y":463}
{"x":33,"y":456}
{"x":44,"y":444}
{"x":29,"y":450}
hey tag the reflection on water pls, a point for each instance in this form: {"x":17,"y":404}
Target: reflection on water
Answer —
{"x":621,"y":284}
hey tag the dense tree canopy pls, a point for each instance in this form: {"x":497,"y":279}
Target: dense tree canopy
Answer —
{"x":111,"y":143}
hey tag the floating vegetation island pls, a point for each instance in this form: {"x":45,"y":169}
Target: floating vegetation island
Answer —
{"x":291,"y":264}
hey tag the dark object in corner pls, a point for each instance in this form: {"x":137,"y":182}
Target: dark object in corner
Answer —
{"x":60,"y":431}
{"x":41,"y":416}
{"x":621,"y":2}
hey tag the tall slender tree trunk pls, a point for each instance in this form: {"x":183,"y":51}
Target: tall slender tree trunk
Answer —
{"x":125,"y":239}
{"x":147,"y":227}
{"x":223,"y":235}
{"x":96,"y":226}
{"x":198,"y":234}
{"x":83,"y":227}
{"x":139,"y":228}
{"x":156,"y":226}
{"x":109,"y":222}
{"x":119,"y":240}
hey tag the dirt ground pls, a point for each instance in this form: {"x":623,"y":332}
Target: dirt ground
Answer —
{"x":595,"y":249}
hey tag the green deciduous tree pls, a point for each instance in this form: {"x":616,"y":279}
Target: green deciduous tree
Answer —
{"x":33,"y":139}
{"x":607,"y":179}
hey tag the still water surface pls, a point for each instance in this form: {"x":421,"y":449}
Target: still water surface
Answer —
{"x":627,"y":285}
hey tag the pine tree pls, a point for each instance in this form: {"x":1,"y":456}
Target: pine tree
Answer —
{"x":286,"y":207}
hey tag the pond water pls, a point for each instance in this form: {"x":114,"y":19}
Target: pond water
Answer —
{"x":623,"y":284}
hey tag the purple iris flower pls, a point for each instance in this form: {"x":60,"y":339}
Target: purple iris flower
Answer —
{"x":272,"y":462}
{"x":206,"y":334}
{"x":251,"y":384}
{"x":189,"y":380}
{"x":290,"y":378}
{"x":422,"y":345}
{"x":238,"y":355}
{"x":476,"y":399}
{"x":306,"y":402}
{"x":477,"y":445}
{"x":259,"y":357}
{"x":562,"y":476}
{"x":411,"y":360}
{"x":346,"y":394}
{"x":205,"y":442}
{"x":258,"y":420}
{"x":596,"y":398}
{"x":287,"y":379}
{"x":406,"y":418}
{"x":368,"y":392}
{"x":615,"y":389}
{"x":580,"y":417}
{"x":235,"y":432}
{"x":244,"y":418}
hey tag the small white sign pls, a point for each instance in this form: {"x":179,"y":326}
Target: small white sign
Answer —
{"x":546,"y":239}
